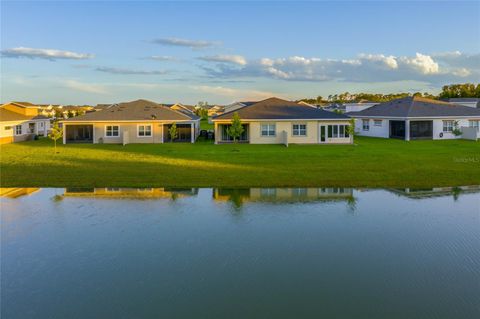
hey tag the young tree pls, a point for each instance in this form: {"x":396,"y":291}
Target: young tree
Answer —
{"x":173,"y":132}
{"x":55,"y":133}
{"x":456,"y":129}
{"x":236,"y":129}
{"x":351,"y":128}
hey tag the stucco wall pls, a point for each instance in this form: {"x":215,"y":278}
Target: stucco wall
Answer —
{"x":374,"y":131}
{"x":384,"y":130}
{"x":131,"y":130}
{"x":312,"y":137}
{"x":8,"y":135}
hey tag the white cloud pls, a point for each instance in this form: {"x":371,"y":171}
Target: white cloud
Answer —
{"x":235,"y":59}
{"x":235,"y":94}
{"x":124,"y":71}
{"x":86,"y":87}
{"x":422,"y":63}
{"x":49,"y":54}
{"x":193,"y":44}
{"x":389,"y":62}
{"x":163,"y":58}
{"x":363,"y":68}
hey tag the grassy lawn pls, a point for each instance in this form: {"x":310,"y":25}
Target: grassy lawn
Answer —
{"x":204,"y":125}
{"x":369,"y":163}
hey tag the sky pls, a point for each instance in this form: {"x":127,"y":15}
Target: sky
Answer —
{"x":105,"y":52}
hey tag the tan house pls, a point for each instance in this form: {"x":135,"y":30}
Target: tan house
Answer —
{"x":215,"y":110}
{"x":20,"y":121}
{"x":276,"y":121}
{"x":183,"y":108}
{"x":139,"y":121}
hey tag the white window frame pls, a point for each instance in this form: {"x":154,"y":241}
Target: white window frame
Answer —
{"x":338,"y":131}
{"x":297,"y":132}
{"x":144,"y":130}
{"x":112,"y":130}
{"x":448,"y":126}
{"x":377,"y":122}
{"x":365,"y":125}
{"x":268,"y":130}
{"x":475,"y":124}
{"x":16,"y":130}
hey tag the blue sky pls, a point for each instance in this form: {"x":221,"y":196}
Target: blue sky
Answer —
{"x":102,"y":52}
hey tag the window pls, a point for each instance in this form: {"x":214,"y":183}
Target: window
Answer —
{"x":41,"y":124}
{"x":268,"y":192}
{"x":366,"y":125}
{"x":18,"y":130}
{"x":144,"y":130}
{"x":7,"y":128}
{"x":377,"y":122}
{"x":475,"y":124}
{"x":112,"y":131}
{"x":268,"y":129}
{"x":338,"y":131}
{"x":448,"y":126}
{"x":299,"y":130}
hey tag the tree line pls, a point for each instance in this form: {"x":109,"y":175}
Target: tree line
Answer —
{"x":466,"y":90}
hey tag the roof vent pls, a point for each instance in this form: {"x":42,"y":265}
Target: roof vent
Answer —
{"x":153,"y":116}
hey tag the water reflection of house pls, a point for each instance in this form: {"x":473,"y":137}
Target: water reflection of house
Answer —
{"x":282,"y":194}
{"x":17,"y":191}
{"x":113,"y":192}
{"x":436,"y":191}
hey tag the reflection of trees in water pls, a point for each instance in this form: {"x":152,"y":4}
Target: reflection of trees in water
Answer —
{"x":352,"y":203}
{"x":456,"y":191}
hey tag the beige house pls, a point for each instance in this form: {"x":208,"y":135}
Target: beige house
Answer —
{"x":138,"y":121}
{"x":276,"y":121}
{"x":183,"y":108}
{"x":20,"y":121}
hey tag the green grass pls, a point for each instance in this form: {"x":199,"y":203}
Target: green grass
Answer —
{"x":369,"y":163}
{"x":204,"y":125}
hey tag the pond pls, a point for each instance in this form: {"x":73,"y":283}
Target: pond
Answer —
{"x":240,"y":253}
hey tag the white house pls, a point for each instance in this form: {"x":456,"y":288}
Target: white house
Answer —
{"x":470,"y":101}
{"x":418,"y":118}
{"x":237,"y":105}
{"x":358,"y":106}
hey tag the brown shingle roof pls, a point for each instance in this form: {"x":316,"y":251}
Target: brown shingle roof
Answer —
{"x":6,"y":115}
{"x":278,"y":109}
{"x":139,"y":110}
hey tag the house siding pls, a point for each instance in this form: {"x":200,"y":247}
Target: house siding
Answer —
{"x":384,"y":130}
{"x":130,"y":129}
{"x":312,"y":137}
{"x":8,"y":135}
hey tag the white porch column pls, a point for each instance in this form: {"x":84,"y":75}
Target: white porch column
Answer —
{"x":407,"y":130}
{"x":192,"y":132}
{"x":215,"y":133}
{"x":64,"y":133}
{"x":161,"y":131}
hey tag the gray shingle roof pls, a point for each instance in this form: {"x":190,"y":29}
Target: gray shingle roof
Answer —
{"x":278,"y":109}
{"x":7,"y":115}
{"x":139,"y":110}
{"x":417,"y":107}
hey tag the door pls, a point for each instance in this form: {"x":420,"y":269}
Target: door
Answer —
{"x":421,"y":130}
{"x":323,"y":134}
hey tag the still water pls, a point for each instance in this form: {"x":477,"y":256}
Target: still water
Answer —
{"x":240,"y":253}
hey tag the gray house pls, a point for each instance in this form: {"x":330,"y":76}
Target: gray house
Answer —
{"x":418,"y":118}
